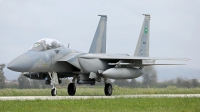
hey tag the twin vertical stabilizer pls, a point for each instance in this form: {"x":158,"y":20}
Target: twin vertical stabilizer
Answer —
{"x":142,"y":48}
{"x":99,"y":41}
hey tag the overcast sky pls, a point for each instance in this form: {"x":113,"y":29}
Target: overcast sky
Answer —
{"x":174,"y":29}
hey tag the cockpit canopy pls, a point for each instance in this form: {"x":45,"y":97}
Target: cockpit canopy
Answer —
{"x":45,"y":44}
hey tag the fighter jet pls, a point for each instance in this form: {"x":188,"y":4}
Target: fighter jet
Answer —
{"x":51,"y":61}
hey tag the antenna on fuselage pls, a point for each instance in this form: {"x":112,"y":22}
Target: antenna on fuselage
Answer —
{"x":68,"y":45}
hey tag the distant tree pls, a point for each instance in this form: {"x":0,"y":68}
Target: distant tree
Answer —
{"x":134,"y":83}
{"x":35,"y":83}
{"x":122,"y":82}
{"x":2,"y":77}
{"x":23,"y":82}
{"x":166,"y":83}
{"x":186,"y":83}
{"x":12,"y":84}
{"x":180,"y":82}
{"x":149,"y":76}
{"x":42,"y":82}
{"x":195,"y":83}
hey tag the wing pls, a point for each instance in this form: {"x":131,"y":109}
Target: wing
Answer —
{"x":130,"y":60}
{"x":141,"y":58}
{"x":126,"y":57}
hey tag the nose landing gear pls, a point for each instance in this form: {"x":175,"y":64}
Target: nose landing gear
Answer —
{"x":54,"y":80}
{"x":53,"y":91}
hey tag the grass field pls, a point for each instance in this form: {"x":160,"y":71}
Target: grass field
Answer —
{"x":98,"y":91}
{"x":104,"y":105}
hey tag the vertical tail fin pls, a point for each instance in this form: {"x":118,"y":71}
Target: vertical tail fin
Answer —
{"x":99,"y":41}
{"x":142,"y":48}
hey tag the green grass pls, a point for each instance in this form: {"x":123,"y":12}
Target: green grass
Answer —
{"x":104,"y":105}
{"x":99,"y":91}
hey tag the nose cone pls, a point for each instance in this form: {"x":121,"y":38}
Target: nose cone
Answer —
{"x":22,"y":63}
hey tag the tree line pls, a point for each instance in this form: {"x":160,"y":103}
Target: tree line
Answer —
{"x":149,"y":79}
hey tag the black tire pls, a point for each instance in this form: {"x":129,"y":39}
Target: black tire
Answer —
{"x":108,"y":89}
{"x":71,"y":89}
{"x":53,"y":92}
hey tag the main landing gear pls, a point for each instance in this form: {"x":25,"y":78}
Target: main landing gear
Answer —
{"x":108,"y":88}
{"x":72,"y":87}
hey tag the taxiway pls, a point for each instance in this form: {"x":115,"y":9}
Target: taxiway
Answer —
{"x":99,"y":97}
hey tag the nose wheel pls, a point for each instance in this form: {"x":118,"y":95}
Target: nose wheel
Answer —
{"x":108,"y":89}
{"x":53,"y":91}
{"x":71,"y":89}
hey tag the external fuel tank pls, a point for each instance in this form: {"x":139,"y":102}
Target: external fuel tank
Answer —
{"x":122,"y":73}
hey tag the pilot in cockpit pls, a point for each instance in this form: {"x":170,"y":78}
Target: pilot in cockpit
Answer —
{"x":45,"y":44}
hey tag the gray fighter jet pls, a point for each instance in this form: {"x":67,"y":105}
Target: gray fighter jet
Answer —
{"x":49,"y":60}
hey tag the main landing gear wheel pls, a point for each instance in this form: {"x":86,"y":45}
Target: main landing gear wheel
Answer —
{"x":53,"y":92}
{"x":108,"y":89}
{"x":71,"y":89}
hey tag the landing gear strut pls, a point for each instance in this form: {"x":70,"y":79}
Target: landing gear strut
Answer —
{"x":54,"y":80}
